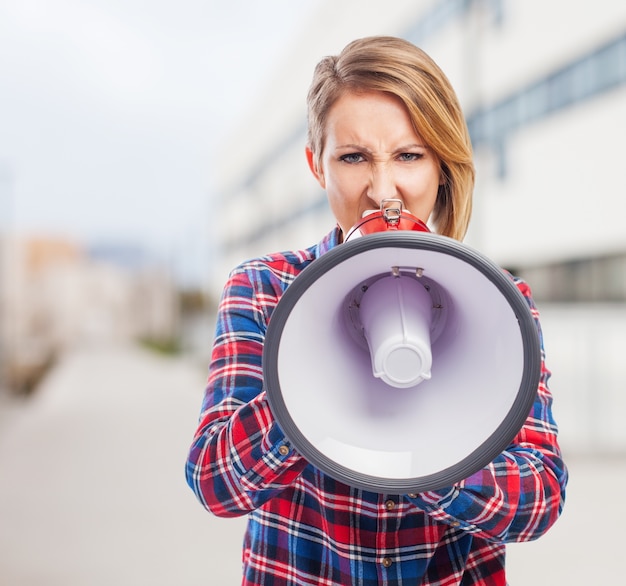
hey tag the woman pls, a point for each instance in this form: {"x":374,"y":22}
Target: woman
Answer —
{"x":384,"y":123}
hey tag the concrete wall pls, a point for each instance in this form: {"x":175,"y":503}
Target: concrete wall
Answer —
{"x":585,"y":349}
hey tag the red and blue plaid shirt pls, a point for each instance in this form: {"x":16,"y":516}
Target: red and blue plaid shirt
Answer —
{"x":304,"y":527}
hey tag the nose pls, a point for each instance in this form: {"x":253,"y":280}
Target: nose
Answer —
{"x":382,"y":186}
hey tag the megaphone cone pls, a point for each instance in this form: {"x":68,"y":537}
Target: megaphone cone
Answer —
{"x":395,"y":313}
{"x":421,"y":362}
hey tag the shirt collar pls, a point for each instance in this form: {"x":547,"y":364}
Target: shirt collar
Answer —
{"x":332,"y":239}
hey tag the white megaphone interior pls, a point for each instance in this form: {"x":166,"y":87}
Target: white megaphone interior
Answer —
{"x":369,"y":427}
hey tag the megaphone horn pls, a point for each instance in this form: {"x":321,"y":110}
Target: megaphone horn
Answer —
{"x":423,"y":359}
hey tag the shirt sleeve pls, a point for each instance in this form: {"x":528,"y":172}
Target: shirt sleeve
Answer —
{"x":240,"y":457}
{"x":519,"y":495}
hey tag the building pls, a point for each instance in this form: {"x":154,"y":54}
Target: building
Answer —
{"x":543,"y":86}
{"x":57,"y":296}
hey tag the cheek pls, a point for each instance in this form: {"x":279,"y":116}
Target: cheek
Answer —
{"x":421,"y":195}
{"x":343,"y":205}
{"x":339,"y":206}
{"x":345,"y":194}
{"x":346,"y":184}
{"x":425,"y":185}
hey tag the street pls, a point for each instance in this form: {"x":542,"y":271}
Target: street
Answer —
{"x":92,"y":488}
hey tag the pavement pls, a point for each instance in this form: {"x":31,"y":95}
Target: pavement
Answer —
{"x":92,"y":488}
{"x":92,"y":485}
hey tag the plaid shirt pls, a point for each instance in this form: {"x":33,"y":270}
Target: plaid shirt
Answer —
{"x":306,"y":528}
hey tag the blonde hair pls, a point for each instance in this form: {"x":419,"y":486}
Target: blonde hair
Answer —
{"x":397,"y":67}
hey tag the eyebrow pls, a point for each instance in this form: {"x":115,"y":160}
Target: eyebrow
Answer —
{"x":366,"y":150}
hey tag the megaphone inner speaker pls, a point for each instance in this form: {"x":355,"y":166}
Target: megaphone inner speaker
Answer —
{"x":393,"y":438}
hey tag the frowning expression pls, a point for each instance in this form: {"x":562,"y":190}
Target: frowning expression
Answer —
{"x":372,"y":152}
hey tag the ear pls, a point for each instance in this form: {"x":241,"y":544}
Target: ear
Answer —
{"x":318,"y":173}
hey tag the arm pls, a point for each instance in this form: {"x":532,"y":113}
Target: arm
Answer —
{"x":520,"y":495}
{"x":240,"y":457}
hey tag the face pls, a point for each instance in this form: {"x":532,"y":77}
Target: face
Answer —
{"x":371,"y":153}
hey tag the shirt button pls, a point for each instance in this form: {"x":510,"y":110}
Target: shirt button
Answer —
{"x":455,"y":524}
{"x":387,"y":562}
{"x":390,"y":505}
{"x":412,"y":495}
{"x":283,"y":450}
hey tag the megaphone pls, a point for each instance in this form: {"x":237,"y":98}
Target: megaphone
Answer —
{"x":401,"y":361}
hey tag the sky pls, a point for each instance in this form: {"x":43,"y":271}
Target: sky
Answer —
{"x":111,"y":112}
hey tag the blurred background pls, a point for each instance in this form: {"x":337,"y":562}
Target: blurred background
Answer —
{"x":148,"y":147}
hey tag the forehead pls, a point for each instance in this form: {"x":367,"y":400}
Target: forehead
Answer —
{"x":369,"y":115}
{"x":364,"y":101}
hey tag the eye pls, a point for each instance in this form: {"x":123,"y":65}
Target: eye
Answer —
{"x":352,"y":158}
{"x":409,"y":157}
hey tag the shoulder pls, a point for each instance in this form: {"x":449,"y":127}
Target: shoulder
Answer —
{"x":264,"y":279}
{"x":521,"y":284}
{"x":279,"y":269}
{"x":525,"y":290}
{"x":282,"y":266}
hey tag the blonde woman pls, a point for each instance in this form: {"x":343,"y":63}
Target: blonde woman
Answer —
{"x":384,"y":123}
